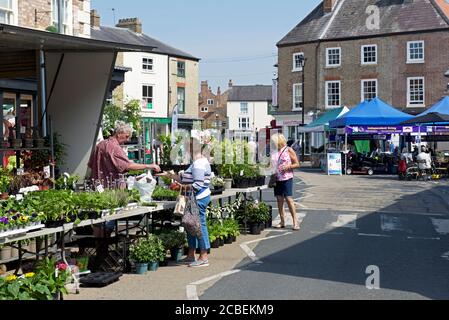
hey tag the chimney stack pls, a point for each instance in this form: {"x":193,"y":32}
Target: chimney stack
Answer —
{"x":204,"y":87}
{"x":94,"y":19}
{"x":329,"y":5}
{"x":230,"y":84}
{"x":218,"y":91}
{"x":132,"y":24}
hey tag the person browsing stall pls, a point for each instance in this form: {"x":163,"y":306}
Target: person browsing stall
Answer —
{"x":196,"y":179}
{"x":284,"y":161}
{"x":109,"y":159}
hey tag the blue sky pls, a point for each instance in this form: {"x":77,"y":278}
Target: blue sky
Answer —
{"x":235,"y":39}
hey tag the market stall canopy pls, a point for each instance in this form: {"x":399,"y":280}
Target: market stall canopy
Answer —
{"x":322,"y":123}
{"x":441,"y":107}
{"x":373,"y":112}
{"x":429,"y":118}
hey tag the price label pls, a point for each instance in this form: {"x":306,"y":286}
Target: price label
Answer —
{"x":100,"y":188}
{"x":20,"y":171}
{"x":19,"y":197}
{"x":241,"y":172}
{"x":23,"y":129}
{"x":47,"y":172}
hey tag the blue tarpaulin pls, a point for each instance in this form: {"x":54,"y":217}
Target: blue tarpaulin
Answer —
{"x":441,"y":106}
{"x":374,"y":112}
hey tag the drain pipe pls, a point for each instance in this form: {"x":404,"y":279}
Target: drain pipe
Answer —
{"x":43,"y":93}
{"x":60,"y":16}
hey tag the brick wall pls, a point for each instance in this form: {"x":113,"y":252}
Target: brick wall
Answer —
{"x":391,"y":71}
{"x":29,"y":18}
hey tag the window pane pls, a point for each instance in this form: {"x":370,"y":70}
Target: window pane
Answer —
{"x":6,"y":4}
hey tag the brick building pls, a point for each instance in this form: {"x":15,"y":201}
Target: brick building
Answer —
{"x":43,"y":14}
{"x":356,"y":50}
{"x":212,"y":107}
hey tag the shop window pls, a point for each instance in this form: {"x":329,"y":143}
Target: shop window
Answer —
{"x":181,"y":100}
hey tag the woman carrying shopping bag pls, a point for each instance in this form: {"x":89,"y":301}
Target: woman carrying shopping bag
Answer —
{"x":196,"y":179}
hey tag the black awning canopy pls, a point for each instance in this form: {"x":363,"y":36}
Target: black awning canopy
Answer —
{"x":13,"y":38}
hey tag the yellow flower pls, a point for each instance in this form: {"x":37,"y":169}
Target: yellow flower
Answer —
{"x":11,"y":277}
{"x":23,"y":218}
{"x":29,"y":275}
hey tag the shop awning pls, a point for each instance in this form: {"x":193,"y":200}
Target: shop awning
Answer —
{"x":322,"y":123}
{"x":157,"y":120}
{"x":371,"y":113}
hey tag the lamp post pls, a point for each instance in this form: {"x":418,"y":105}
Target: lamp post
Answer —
{"x":447,"y":76}
{"x":302,"y":62}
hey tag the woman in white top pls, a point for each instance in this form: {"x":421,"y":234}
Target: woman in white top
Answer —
{"x":197,"y":179}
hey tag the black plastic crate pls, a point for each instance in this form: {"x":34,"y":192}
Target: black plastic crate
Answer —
{"x":100,"y":279}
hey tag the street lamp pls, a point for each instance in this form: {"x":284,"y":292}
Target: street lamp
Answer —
{"x":447,"y":76}
{"x":302,"y":62}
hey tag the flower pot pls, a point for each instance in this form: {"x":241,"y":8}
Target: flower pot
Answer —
{"x":228,"y":240}
{"x":251,"y":182}
{"x":269,"y":224}
{"x":233,"y":238}
{"x":163,"y":263}
{"x":141,"y":268}
{"x":227,"y":183}
{"x":28,"y":143}
{"x":4,"y":144}
{"x":16,"y":143}
{"x":221,"y":242}
{"x":39,"y":143}
{"x":254,"y":228}
{"x":153,"y":266}
{"x":176,"y":254}
{"x":262,"y":226}
{"x":5,"y":253}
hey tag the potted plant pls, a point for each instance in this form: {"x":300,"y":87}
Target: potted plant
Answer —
{"x":140,"y":254}
{"x":218,"y":185}
{"x":156,"y":252}
{"x":5,"y":181}
{"x":174,"y":241}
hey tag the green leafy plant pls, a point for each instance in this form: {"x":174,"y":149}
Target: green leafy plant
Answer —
{"x":161,"y":194}
{"x":173,"y":239}
{"x":130,"y":113}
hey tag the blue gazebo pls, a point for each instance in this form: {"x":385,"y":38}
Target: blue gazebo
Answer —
{"x":441,"y":106}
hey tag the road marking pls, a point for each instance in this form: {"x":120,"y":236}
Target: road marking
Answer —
{"x":344,"y":221}
{"x":390,"y":223}
{"x":191,"y":291}
{"x":423,"y":238}
{"x":376,"y":211}
{"x":374,"y":235}
{"x":248,"y":252}
{"x":441,"y":225}
{"x":445,"y":255}
{"x":324,"y":232}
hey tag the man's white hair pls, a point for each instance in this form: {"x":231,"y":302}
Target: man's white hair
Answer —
{"x":123,"y":127}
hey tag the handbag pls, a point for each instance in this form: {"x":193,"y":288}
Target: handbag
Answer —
{"x":181,"y":202}
{"x":191,"y":218}
{"x":273,"y":177}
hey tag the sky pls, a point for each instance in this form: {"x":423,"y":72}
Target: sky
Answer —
{"x":235,"y":39}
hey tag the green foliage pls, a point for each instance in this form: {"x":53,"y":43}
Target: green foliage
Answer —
{"x":5,"y":180}
{"x":167,"y":147}
{"x":173,"y":239}
{"x":48,"y":280}
{"x":257,"y":212}
{"x":41,"y":158}
{"x":150,"y":249}
{"x":130,"y":113}
{"x":69,"y":184}
{"x":161,"y":194}
{"x":52,"y":29}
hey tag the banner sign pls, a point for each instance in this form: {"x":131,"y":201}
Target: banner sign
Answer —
{"x":334,"y":166}
{"x":395,"y":129}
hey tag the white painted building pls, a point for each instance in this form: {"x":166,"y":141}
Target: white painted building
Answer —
{"x":247,"y":109}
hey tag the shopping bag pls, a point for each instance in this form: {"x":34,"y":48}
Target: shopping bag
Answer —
{"x":146,"y":185}
{"x":181,"y":203}
{"x":272,"y":182}
{"x":191,"y":218}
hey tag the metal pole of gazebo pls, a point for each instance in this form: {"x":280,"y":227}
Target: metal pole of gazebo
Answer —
{"x":346,"y":150}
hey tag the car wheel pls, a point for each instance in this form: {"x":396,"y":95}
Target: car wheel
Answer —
{"x":349,"y":171}
{"x":370,"y":172}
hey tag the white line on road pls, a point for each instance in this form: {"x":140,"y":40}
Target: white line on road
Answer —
{"x":344,"y":221}
{"x":445,"y":255}
{"x":191,"y":291}
{"x":373,"y":235}
{"x":324,"y":232}
{"x":423,"y":238}
{"x":441,"y":225}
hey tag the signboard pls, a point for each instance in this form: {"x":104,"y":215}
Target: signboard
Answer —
{"x":334,"y":164}
{"x":394,"y":129}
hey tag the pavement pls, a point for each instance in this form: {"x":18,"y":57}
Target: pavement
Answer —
{"x":350,"y":225}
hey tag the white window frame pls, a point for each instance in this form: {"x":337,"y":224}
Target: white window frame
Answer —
{"x":241,"y":122}
{"x":295,"y":67}
{"x":411,"y":61}
{"x":12,"y":13}
{"x":327,"y":58}
{"x":68,"y":25}
{"x":362,"y":88}
{"x":147,"y":97}
{"x":181,"y":72}
{"x":148,"y":64}
{"x":362,"y":54}
{"x":327,"y":94}
{"x":204,"y":109}
{"x":409,"y":104}
{"x":209,"y":103}
{"x":295,"y":86}
{"x":240,"y":108}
